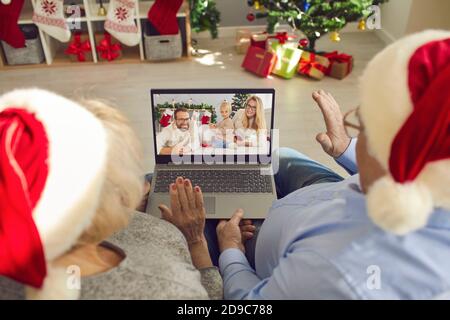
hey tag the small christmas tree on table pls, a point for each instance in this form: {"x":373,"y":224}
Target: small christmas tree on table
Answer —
{"x":314,"y":18}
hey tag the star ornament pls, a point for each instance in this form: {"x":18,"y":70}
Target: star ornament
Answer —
{"x":49,"y":7}
{"x":121,"y":13}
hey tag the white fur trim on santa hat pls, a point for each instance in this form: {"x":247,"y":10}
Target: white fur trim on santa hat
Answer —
{"x":58,"y":285}
{"x":399,"y":208}
{"x":385,"y":97}
{"x":77,"y":161}
{"x":385,"y":105}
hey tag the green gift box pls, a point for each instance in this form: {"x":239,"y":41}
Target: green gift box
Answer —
{"x":288,"y":57}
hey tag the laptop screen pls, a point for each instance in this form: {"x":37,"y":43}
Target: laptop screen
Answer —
{"x":196,"y":123}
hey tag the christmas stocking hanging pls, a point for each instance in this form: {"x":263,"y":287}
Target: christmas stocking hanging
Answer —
{"x":120,"y":21}
{"x":9,"y":30}
{"x":206,"y":117}
{"x":163,"y":16}
{"x":49,"y":17}
{"x":165,"y":118}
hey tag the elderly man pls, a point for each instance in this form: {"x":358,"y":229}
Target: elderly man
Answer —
{"x":181,"y":137}
{"x":382,"y":234}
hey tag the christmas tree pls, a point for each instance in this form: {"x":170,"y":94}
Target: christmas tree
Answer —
{"x":238,"y":100}
{"x":314,"y":18}
{"x":204,"y":16}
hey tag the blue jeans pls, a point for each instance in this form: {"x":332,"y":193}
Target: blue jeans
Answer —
{"x":295,"y":171}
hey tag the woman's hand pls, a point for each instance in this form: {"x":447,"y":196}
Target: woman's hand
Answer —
{"x":335,"y":140}
{"x":187,"y":211}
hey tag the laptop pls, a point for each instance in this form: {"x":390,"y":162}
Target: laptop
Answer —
{"x":220,"y":139}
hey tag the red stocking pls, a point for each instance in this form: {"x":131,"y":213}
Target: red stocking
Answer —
{"x":166,"y":117}
{"x":163,"y":16}
{"x":205,"y":119}
{"x":9,"y":29}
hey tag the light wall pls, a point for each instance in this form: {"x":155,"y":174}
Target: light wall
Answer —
{"x":394,"y":19}
{"x":403,"y":17}
{"x":429,"y":14}
{"x":234,"y":13}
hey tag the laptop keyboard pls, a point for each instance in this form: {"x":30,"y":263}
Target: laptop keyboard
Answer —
{"x":218,"y":181}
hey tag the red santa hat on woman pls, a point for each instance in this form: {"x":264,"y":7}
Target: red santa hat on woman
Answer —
{"x":405,"y":109}
{"x":52,"y":162}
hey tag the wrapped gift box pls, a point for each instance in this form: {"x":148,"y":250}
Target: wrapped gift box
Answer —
{"x":341,"y":65}
{"x":108,"y":47}
{"x":242,"y":46}
{"x":283,"y":38}
{"x":79,"y":48}
{"x":259,"y":61}
{"x":313,"y":65}
{"x":287,"y":60}
{"x":243,"y":40}
{"x":259,"y":40}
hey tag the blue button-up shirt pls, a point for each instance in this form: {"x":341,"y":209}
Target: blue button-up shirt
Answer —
{"x":319,"y":243}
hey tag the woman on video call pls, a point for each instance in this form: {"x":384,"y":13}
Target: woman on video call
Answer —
{"x":250,"y":124}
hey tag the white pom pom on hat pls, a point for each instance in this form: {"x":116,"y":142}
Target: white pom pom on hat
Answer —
{"x":405,"y":103}
{"x":399,"y":208}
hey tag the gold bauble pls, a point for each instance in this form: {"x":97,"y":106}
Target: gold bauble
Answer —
{"x":362,"y":25}
{"x":335,"y":37}
{"x":257,"y":6}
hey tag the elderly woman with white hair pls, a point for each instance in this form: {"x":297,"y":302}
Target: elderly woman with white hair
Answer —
{"x":71,"y":176}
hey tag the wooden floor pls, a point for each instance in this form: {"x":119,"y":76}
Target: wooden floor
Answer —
{"x":128,"y":85}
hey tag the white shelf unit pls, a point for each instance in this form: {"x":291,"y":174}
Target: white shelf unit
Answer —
{"x":53,"y":48}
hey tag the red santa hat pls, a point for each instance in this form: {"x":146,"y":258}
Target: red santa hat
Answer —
{"x":405,"y":108}
{"x":52,"y":168}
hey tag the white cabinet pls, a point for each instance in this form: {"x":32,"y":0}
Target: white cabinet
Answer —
{"x":91,"y":24}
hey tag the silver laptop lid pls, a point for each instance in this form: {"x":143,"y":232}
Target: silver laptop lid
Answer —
{"x":213,"y":126}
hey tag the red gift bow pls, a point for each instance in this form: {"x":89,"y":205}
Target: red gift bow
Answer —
{"x":78,"y":48}
{"x":282,"y":37}
{"x":305,"y":65}
{"x":108,"y":50}
{"x":339,"y":58}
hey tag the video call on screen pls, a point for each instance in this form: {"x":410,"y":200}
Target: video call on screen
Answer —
{"x":212,"y":123}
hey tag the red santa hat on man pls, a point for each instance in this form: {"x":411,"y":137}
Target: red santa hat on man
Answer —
{"x":405,"y":108}
{"x":52,"y":162}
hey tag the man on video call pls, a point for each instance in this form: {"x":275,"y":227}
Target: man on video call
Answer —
{"x":177,"y":138}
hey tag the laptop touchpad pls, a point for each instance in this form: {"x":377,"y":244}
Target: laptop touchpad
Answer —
{"x":210,"y":204}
